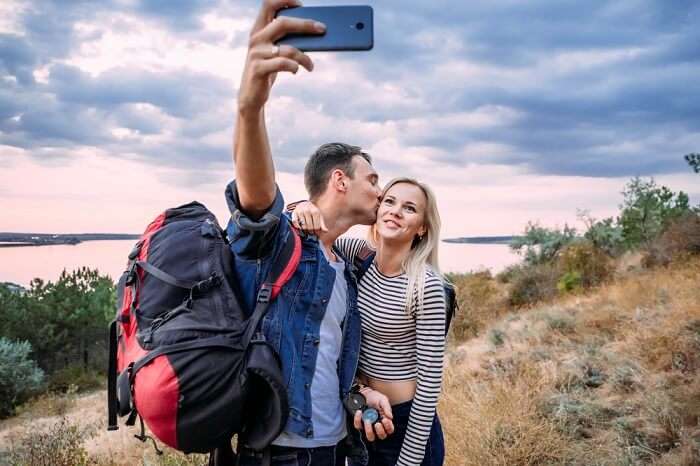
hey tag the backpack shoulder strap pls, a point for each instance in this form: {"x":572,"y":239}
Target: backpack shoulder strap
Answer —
{"x":283,"y":267}
{"x":451,"y":304}
{"x":363,"y":259}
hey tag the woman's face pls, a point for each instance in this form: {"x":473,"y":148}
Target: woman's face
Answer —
{"x":401,"y":213}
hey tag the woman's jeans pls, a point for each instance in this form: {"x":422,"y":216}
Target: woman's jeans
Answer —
{"x":386,"y":452}
{"x":289,"y":456}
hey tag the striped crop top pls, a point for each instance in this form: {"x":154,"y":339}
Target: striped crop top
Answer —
{"x":397,"y":345}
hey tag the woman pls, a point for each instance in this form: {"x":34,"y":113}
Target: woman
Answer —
{"x":402,"y":307}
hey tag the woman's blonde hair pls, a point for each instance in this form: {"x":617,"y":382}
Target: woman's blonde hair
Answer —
{"x":424,"y":250}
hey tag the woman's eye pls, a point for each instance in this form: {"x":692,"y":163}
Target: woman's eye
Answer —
{"x":388,"y":201}
{"x":411,"y":209}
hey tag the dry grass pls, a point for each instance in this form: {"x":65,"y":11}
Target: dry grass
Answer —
{"x":497,"y":421}
{"x":611,"y":377}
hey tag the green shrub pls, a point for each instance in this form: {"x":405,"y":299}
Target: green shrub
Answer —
{"x":19,"y":375}
{"x":606,"y":235}
{"x":540,"y":245}
{"x":60,"y":445}
{"x":569,"y":282}
{"x":76,"y":376}
{"x":584,"y":266}
{"x":497,"y":337}
{"x":648,"y":209}
{"x":61,"y":320}
{"x":508,"y":274}
{"x":532,"y":284}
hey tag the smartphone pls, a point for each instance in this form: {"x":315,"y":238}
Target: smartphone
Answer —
{"x":347,"y":28}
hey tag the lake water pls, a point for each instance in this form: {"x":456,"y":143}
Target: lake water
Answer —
{"x":21,"y":264}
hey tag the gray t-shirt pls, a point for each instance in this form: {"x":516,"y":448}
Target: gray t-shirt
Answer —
{"x":327,"y":412}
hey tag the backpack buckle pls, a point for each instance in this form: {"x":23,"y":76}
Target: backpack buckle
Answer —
{"x":135,"y":251}
{"x":265,"y":293}
{"x":130,"y":273}
{"x":206,"y":285}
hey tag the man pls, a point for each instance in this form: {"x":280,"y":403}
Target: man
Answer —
{"x":314,"y":323}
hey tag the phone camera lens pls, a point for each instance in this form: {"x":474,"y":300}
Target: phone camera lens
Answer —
{"x":360,"y":26}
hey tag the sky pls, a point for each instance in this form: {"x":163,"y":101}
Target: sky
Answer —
{"x":513,"y":111}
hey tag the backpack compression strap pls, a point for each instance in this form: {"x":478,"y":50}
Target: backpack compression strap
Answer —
{"x":283,"y":267}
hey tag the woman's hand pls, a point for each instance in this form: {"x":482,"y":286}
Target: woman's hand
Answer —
{"x":307,"y":217}
{"x":385,"y":426}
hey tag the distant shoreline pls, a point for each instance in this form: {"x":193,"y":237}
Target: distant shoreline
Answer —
{"x":505,"y":240}
{"x":14,"y":240}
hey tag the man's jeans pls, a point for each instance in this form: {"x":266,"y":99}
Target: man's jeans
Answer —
{"x":288,"y":456}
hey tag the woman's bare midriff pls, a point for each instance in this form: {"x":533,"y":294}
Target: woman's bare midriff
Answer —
{"x":398,"y":391}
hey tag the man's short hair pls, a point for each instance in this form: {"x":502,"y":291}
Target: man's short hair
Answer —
{"x":328,"y":157}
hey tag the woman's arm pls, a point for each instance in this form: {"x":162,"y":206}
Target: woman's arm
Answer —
{"x":430,"y":350}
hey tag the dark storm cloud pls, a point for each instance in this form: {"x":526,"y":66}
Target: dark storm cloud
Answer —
{"x":600,"y":88}
{"x":182,"y":94}
{"x":177,"y":14}
{"x":17,"y":59}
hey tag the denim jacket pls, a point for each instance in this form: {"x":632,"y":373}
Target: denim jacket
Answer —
{"x":293,"y":321}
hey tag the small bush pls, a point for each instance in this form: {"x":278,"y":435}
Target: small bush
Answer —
{"x":560,"y":322}
{"x":606,"y":235}
{"x":534,"y":283}
{"x":50,"y":403}
{"x":582,"y":261}
{"x":540,"y":245}
{"x":480,"y":301}
{"x":19,"y":375}
{"x":509,"y":273}
{"x":569,"y":282}
{"x":175,"y":458}
{"x":75,"y":376}
{"x":682,"y":237}
{"x":577,"y":418}
{"x":627,"y":377}
{"x":497,"y":337}
{"x":60,"y":445}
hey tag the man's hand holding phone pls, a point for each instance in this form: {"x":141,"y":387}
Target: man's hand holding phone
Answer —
{"x":265,"y":59}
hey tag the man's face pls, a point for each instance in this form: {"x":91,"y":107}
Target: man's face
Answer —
{"x":363,"y":191}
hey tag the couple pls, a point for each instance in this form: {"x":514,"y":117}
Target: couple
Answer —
{"x":315,"y":323}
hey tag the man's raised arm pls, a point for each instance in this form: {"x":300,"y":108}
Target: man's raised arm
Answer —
{"x":255,"y":171}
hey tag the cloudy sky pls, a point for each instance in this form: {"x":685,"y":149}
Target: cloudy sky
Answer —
{"x":111,"y":111}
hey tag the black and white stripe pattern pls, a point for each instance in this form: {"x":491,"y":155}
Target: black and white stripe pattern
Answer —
{"x":399,"y":346}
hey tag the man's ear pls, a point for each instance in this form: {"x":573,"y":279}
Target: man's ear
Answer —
{"x":339,"y":180}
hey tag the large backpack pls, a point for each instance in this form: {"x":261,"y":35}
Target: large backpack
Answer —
{"x":363,"y":260}
{"x":184,"y":355}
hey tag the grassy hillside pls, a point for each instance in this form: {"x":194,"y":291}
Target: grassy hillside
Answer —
{"x":610,"y":377}
{"x":607,"y":378}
